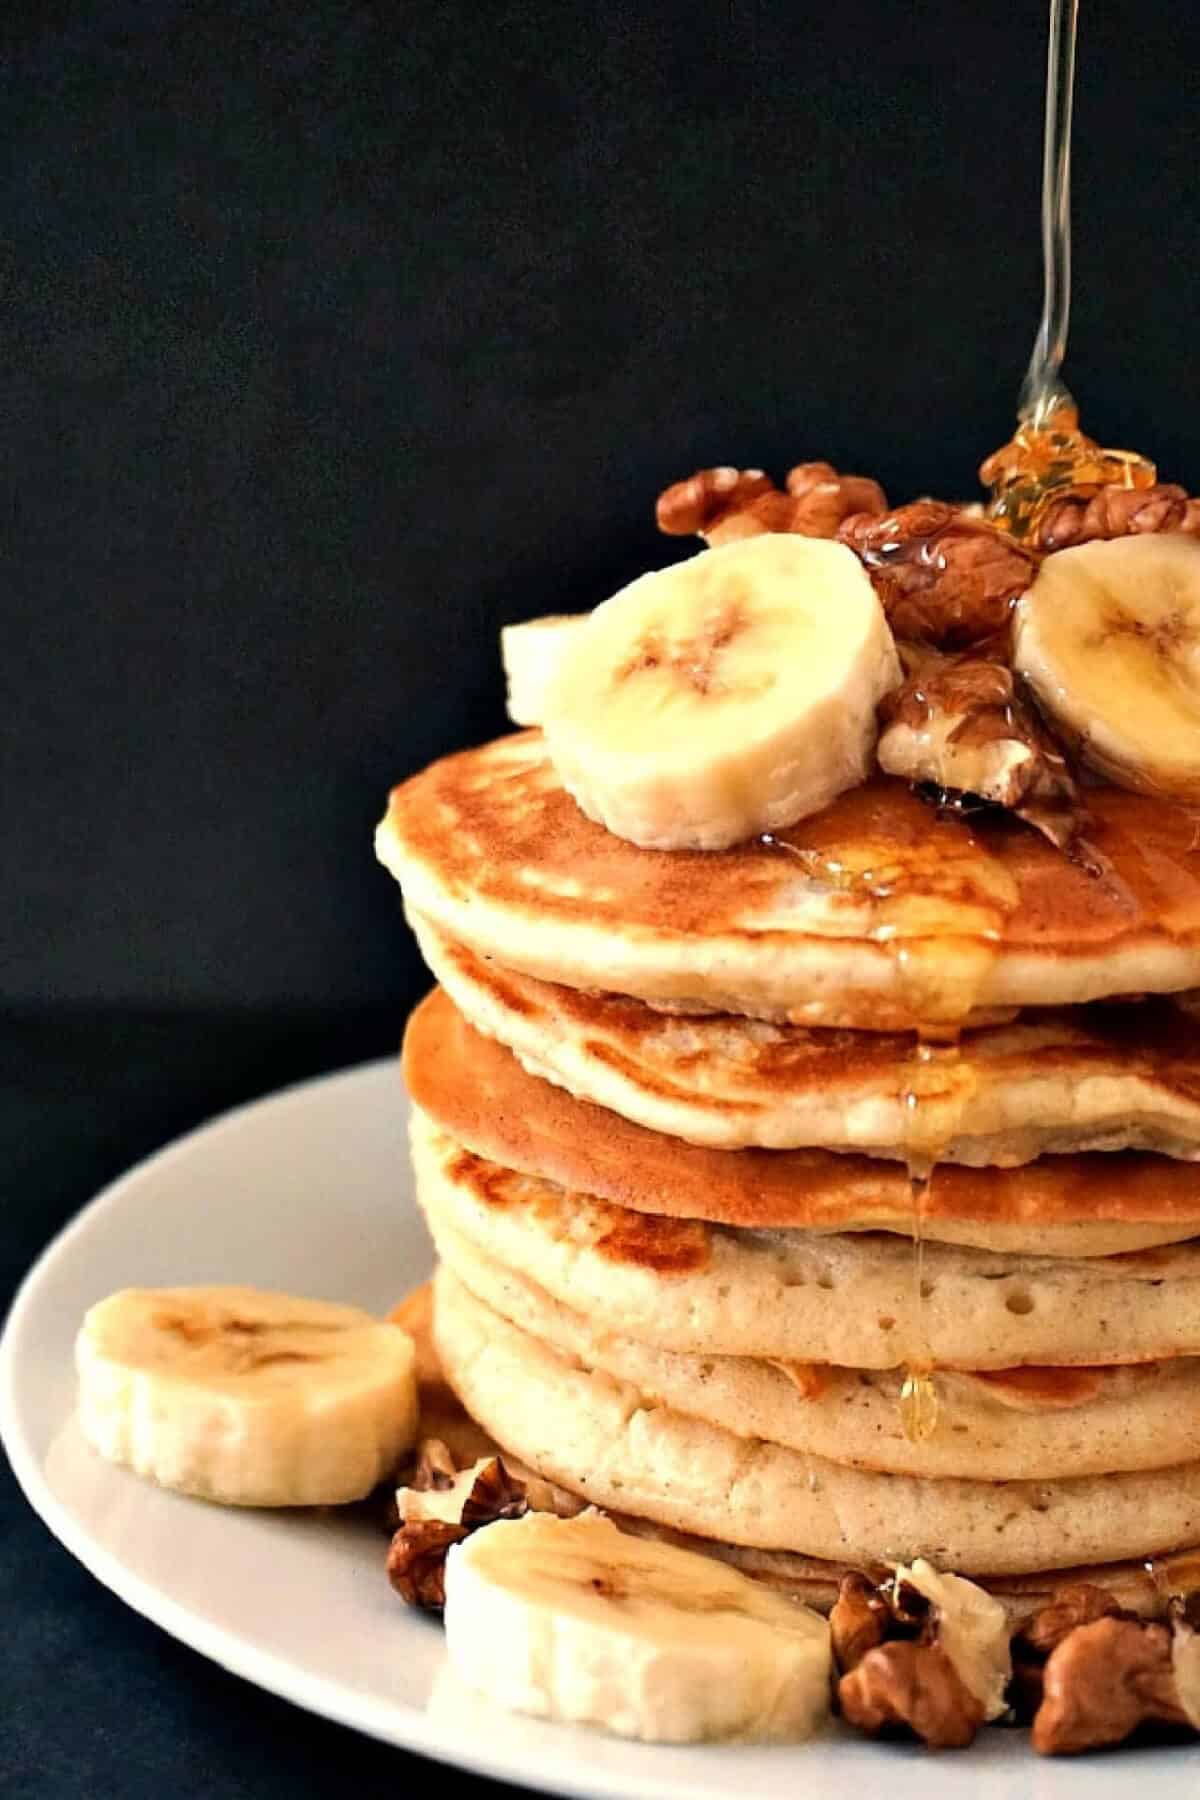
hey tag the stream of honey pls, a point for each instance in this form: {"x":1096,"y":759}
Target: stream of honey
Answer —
{"x":1048,"y":455}
{"x":943,"y":979}
{"x":937,"y":907}
{"x":941,"y":912}
{"x":1043,"y":395}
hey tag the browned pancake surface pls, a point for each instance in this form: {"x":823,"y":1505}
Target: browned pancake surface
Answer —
{"x":733,"y":1073}
{"x":485,"y":819}
{"x":479,"y":1093}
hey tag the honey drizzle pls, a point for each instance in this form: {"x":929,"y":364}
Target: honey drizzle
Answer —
{"x":1043,"y":393}
{"x":941,"y":976}
{"x":919,"y":1403}
{"x":1048,"y":456}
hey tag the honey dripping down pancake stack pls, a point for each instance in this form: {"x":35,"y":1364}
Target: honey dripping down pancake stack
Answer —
{"x":808,"y":1114}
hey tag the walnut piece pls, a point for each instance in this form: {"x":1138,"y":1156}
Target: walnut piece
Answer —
{"x":1113,"y":511}
{"x":924,"y":1650}
{"x":435,"y":1470}
{"x":861,"y":1619}
{"x":416,"y":1563}
{"x":943,"y":577}
{"x":456,"y":1505}
{"x":1074,"y":1604}
{"x":963,"y":723}
{"x":914,"y":1685}
{"x":824,"y":498}
{"x":495,"y":1495}
{"x":724,"y":504}
{"x":1101,"y":1682}
{"x":692,"y":506}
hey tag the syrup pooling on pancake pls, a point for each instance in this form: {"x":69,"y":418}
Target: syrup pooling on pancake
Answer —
{"x":489,"y":846}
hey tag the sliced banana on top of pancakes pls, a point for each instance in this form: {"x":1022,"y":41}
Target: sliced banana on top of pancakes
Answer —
{"x":735,"y":693}
{"x":726,"y":696}
{"x":1108,"y":637}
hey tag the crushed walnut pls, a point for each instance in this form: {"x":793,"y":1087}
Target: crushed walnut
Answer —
{"x":963,"y":724}
{"x":439,"y":1509}
{"x":723,"y":504}
{"x":495,"y":1495}
{"x":943,"y":577}
{"x":1077,"y":1603}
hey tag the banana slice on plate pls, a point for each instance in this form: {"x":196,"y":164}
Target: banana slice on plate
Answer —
{"x":728,"y":695}
{"x":572,"y":1619}
{"x":249,"y":1398}
{"x":531,"y":654}
{"x":1108,"y":637}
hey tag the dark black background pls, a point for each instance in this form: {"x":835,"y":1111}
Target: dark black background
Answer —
{"x":333,"y":336}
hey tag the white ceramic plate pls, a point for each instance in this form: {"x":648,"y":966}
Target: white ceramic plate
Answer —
{"x":309,"y":1191}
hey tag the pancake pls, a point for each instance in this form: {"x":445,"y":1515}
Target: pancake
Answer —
{"x":1073,"y":1206}
{"x":1013,"y":1425}
{"x":1098,"y":1078}
{"x":1142,"y":1588}
{"x":879,"y":913}
{"x":604,"y":1439}
{"x":685,"y":1284}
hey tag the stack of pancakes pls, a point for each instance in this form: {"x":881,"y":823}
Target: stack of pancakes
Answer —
{"x":672,"y":1117}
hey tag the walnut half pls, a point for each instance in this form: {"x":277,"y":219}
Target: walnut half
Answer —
{"x":1072,"y":1605}
{"x":416,"y":1563}
{"x":1101,"y":1682}
{"x":694,"y":506}
{"x":915,"y":1685}
{"x":723,"y":504}
{"x":943,"y":577}
{"x":1112,"y":511}
{"x":964,"y":724}
{"x":861,"y":1619}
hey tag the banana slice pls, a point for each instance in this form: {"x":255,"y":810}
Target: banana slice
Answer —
{"x":729,"y":695}
{"x":249,"y":1398}
{"x":572,"y":1619}
{"x":1108,"y":636}
{"x":531,"y":654}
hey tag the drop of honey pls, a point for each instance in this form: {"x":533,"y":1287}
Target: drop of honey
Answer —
{"x":920,"y":1407}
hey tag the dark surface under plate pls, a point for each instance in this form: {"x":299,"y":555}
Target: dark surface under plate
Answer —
{"x":93,"y":1699}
